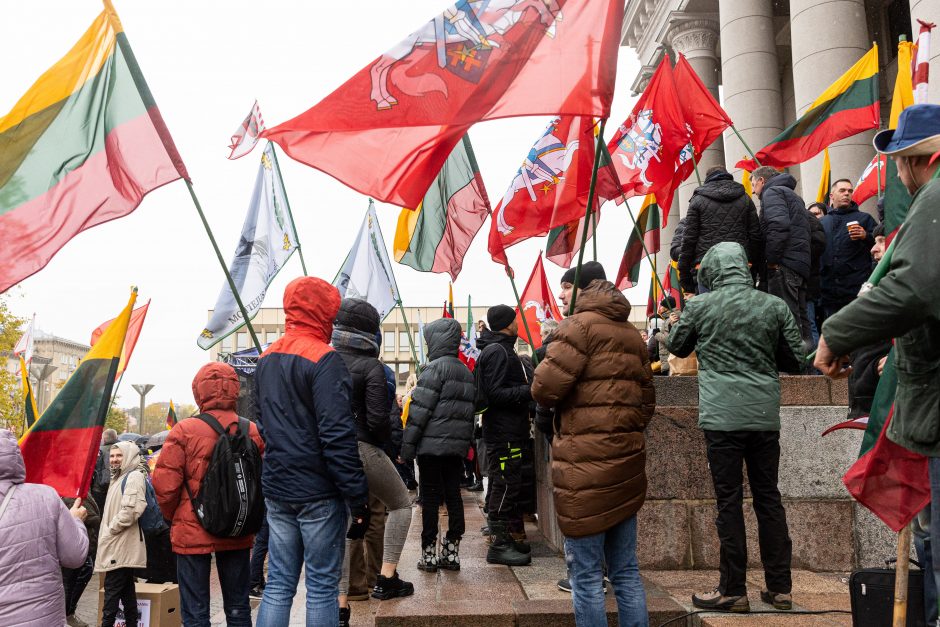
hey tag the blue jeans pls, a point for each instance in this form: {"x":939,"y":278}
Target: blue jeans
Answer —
{"x":934,"y":466}
{"x":259,"y":552}
{"x":811,"y":306}
{"x":922,"y":545}
{"x":311,"y":536}
{"x":586,"y":558}
{"x":193,"y":574}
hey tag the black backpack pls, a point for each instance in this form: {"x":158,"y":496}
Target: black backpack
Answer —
{"x":229,"y":503}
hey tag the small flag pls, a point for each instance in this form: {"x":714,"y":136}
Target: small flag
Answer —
{"x":868,"y":184}
{"x":24,"y":346}
{"x":652,"y":302}
{"x":171,"y":419}
{"x":130,"y":341}
{"x":61,"y":448}
{"x":29,"y":399}
{"x":746,"y":182}
{"x":450,"y":299}
{"x":248,"y":134}
{"x":267,"y":241}
{"x":671,"y":285}
{"x":538,"y":305}
{"x":647,"y":223}
{"x":367,"y":272}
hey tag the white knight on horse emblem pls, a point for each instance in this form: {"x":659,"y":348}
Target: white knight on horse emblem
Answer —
{"x":640,"y":144}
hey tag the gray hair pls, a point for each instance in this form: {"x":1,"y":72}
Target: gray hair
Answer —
{"x":764,"y":172}
{"x":548,"y":328}
{"x":109,"y":436}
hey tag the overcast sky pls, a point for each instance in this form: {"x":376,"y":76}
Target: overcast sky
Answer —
{"x":205,"y":63}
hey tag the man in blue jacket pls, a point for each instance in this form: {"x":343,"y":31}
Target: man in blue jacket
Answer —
{"x":312,"y":477}
{"x":846,"y":262}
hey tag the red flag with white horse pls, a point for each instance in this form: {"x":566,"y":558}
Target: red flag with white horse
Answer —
{"x":538,"y":305}
{"x":387,"y":131}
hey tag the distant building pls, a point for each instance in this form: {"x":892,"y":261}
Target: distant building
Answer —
{"x":54,"y":360}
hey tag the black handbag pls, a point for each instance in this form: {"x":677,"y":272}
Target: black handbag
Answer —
{"x":871,"y":591}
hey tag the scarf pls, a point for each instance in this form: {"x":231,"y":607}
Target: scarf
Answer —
{"x":354,"y":340}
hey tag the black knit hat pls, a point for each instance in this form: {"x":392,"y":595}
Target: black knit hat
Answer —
{"x":499,"y":317}
{"x":590,"y":270}
{"x":358,"y":314}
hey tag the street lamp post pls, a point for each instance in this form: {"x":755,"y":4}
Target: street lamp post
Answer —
{"x":142,"y":389}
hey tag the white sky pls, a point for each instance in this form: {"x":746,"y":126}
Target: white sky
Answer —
{"x":205,"y":63}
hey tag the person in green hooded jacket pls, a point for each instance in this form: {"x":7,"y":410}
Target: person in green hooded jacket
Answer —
{"x":743,"y":338}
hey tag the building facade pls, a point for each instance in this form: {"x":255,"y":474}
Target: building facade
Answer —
{"x":54,"y":360}
{"x":767,"y":61}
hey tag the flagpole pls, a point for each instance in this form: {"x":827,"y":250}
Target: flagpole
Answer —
{"x":228,"y":275}
{"x":879,"y":177}
{"x":746,"y":147}
{"x":594,"y":230}
{"x":411,"y":340}
{"x":695,"y":167}
{"x":590,"y":207}
{"x":300,"y":250}
{"x":901,"y":569}
{"x":525,"y":323}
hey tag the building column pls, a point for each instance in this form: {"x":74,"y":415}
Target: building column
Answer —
{"x":750,"y":75}
{"x":929,"y":11}
{"x":827,"y":39}
{"x":696,"y":37}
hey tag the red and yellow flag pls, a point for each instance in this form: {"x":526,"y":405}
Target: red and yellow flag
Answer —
{"x":133,"y":333}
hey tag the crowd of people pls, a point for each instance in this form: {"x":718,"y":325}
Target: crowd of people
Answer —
{"x":334,"y":447}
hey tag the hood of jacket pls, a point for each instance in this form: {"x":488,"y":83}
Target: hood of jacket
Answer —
{"x":310,"y":306}
{"x":351,"y":340}
{"x":131,"y":457}
{"x":12,"y":467}
{"x":780,"y":180}
{"x":721,"y":187}
{"x":488,"y":337}
{"x":216,"y":386}
{"x":443,"y":338}
{"x":604,"y":298}
{"x":724,"y":264}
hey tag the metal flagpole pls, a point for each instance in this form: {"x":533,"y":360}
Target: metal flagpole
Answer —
{"x":228,"y":275}
{"x":746,"y":147}
{"x":300,"y":250}
{"x":525,"y":323}
{"x":594,"y":231}
{"x":411,"y":340}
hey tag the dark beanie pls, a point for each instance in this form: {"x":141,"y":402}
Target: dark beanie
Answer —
{"x":668,"y":302}
{"x":499,"y":317}
{"x":590,"y":270}
{"x":358,"y":314}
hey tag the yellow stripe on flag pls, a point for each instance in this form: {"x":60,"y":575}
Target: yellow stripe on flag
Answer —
{"x":111,"y":344}
{"x":746,"y":181}
{"x":407,"y":221}
{"x":67,"y":76}
{"x":824,"y":179}
{"x":866,"y":67}
{"x":903,"y":86}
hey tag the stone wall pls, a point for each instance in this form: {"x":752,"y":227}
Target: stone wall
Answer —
{"x":677,"y":524}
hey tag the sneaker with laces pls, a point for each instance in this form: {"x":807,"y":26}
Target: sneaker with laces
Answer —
{"x":715,"y":600}
{"x":779,"y":600}
{"x":391,"y":587}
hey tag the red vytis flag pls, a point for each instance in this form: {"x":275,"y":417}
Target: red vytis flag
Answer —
{"x":653,"y":143}
{"x":867,"y":185}
{"x":704,"y":117}
{"x":388,"y":130}
{"x":551,"y":187}
{"x":538,"y":304}
{"x":130,"y":340}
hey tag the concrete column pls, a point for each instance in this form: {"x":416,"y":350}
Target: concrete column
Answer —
{"x":827,"y":39}
{"x":929,"y":11}
{"x":665,"y":236}
{"x":750,"y":74}
{"x":697,"y":39}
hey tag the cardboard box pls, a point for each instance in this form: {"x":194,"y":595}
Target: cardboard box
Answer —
{"x":158,"y":605}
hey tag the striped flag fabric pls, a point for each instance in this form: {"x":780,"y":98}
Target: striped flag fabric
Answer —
{"x":921,"y":68}
{"x":671,"y":285}
{"x":134,"y":327}
{"x":171,"y":418}
{"x":825,"y":179}
{"x":435,"y":236}
{"x":61,"y":448}
{"x":83,"y":146}
{"x":647,"y":223}
{"x":847,"y":107}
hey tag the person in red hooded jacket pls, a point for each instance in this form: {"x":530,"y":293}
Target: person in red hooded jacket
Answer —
{"x":186,"y":453}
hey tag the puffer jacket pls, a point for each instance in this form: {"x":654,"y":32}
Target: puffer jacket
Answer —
{"x":597,"y":375}
{"x":817,"y":247}
{"x":38,"y":537}
{"x":506,"y":419}
{"x":846,"y":263}
{"x":304,"y":412}
{"x":720,"y":211}
{"x":369,"y":395}
{"x":185,"y":457}
{"x":121,"y":541}
{"x":742,"y":337}
{"x":675,"y":246}
{"x":440,"y":418}
{"x":784,"y":224}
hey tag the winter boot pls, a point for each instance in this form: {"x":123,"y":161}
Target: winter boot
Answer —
{"x":391,"y":587}
{"x":344,"y":614}
{"x":520,"y":542}
{"x":450,"y":555}
{"x":428,"y":561}
{"x":503,"y":550}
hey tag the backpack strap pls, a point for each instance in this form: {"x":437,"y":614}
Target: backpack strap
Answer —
{"x":244,"y":427}
{"x":6,"y":499}
{"x":212,"y":421}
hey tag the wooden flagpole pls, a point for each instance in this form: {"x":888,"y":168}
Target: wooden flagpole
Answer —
{"x":525,"y":323}
{"x":901,"y":570}
{"x":300,"y":250}
{"x":587,"y":214}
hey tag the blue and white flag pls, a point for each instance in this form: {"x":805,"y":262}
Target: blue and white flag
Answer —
{"x":267,"y":241}
{"x":367,"y":271}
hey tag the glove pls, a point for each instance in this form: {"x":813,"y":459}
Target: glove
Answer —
{"x":360,"y":516}
{"x":407,"y":452}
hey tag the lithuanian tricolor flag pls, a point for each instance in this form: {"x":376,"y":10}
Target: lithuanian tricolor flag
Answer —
{"x":849,"y":106}
{"x":825,"y":179}
{"x":647,"y":227}
{"x":171,"y":419}
{"x":61,"y":448}
{"x":81,"y":147}
{"x":435,"y":236}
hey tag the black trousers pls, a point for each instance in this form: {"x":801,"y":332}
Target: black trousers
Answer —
{"x":75,"y":580}
{"x":505,"y":470}
{"x":119,"y":587}
{"x":791,"y":288}
{"x":728,"y":451}
{"x":440,"y":483}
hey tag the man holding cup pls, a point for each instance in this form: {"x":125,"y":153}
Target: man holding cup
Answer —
{"x":846,"y":262}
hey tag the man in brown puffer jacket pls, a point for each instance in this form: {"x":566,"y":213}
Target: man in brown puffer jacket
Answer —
{"x":597,"y":374}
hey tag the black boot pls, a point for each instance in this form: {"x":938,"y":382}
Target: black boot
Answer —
{"x":391,"y":588}
{"x":344,"y":614}
{"x":503,"y":550}
{"x":450,"y":555}
{"x":428,"y":562}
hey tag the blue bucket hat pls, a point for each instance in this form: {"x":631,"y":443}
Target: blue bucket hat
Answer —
{"x":918,"y":133}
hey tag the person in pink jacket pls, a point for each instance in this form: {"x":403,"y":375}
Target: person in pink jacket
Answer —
{"x":38,"y":537}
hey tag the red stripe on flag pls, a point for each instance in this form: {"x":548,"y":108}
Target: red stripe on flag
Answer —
{"x":58,"y":470}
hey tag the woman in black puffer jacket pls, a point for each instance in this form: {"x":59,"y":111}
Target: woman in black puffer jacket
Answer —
{"x":438,"y":433}
{"x":354,"y":338}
